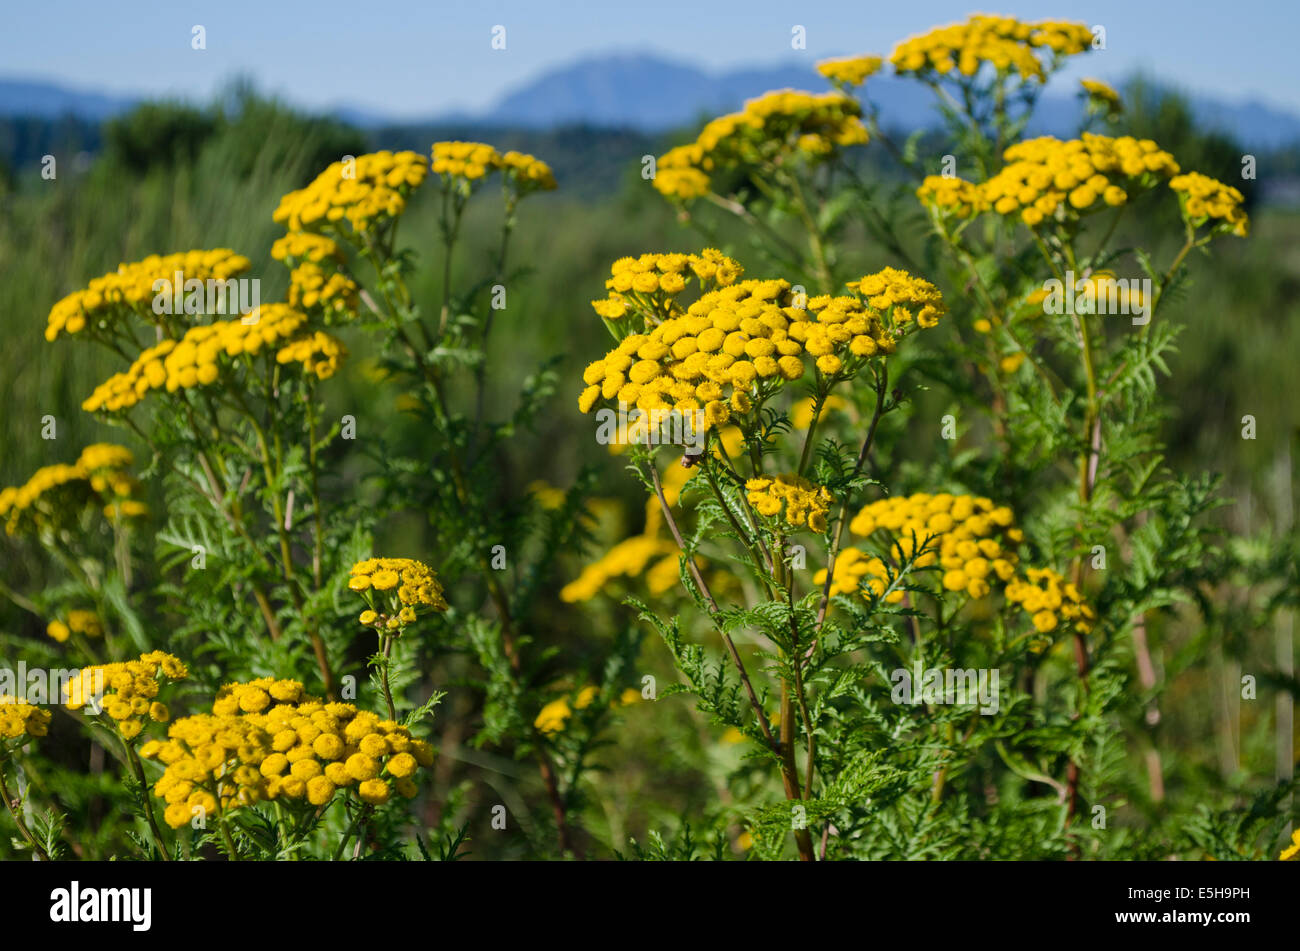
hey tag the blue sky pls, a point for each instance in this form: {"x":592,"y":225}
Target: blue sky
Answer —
{"x":422,"y":58}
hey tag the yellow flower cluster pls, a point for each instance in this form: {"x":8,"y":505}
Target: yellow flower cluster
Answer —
{"x":556,"y":714}
{"x":972,"y":540}
{"x":467,"y":160}
{"x":854,"y":568}
{"x":678,"y":175}
{"x":902,"y":296}
{"x":802,"y":502}
{"x":727,"y":343}
{"x":1102,"y":95}
{"x":267,"y":740}
{"x":969,"y":537}
{"x":952,"y":195}
{"x":78,"y":622}
{"x":131,"y":288}
{"x":472,"y":161}
{"x":628,"y":558}
{"x":130,"y":690}
{"x":364,"y":192}
{"x":527,"y":172}
{"x":737,"y":345}
{"x":648,"y":285}
{"x":311,"y":287}
{"x":851,"y":70}
{"x":320,"y":354}
{"x":780,"y":124}
{"x":57,"y":494}
{"x":18,"y":718}
{"x":1048,"y":598}
{"x":298,"y":246}
{"x":1204,"y":198}
{"x":1045,"y":175}
{"x":196,"y":360}
{"x":397,"y":591}
{"x":1007,"y":44}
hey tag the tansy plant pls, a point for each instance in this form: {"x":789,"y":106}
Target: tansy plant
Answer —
{"x":255,"y":569}
{"x":901,"y":512}
{"x":931,"y":652}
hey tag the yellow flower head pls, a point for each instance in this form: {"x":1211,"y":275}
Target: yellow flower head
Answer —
{"x":1045,"y":178}
{"x":1005,"y":44}
{"x":971,"y":540}
{"x":364,"y":192}
{"x":268,"y":740}
{"x":1101,"y":96}
{"x":397,"y":591}
{"x":950,"y":195}
{"x":1207,"y":201}
{"x":1049,"y":599}
{"x":319,"y":354}
{"x":57,"y":496}
{"x":108,"y":301}
{"x":127,"y":692}
{"x":783,"y":125}
{"x":20,"y":719}
{"x":851,"y":70}
{"x":206,"y":353}
{"x":643,"y":291}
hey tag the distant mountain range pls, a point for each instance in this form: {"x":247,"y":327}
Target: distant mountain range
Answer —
{"x":651,"y":94}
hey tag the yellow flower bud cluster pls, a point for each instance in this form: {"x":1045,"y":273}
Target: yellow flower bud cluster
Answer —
{"x":970,"y":538}
{"x":803,"y":503}
{"x":779,"y":125}
{"x":130,"y":289}
{"x":18,"y":718}
{"x":1049,"y":599}
{"x":267,"y":740}
{"x":1007,"y":44}
{"x":1204,"y":199}
{"x":1045,"y":176}
{"x":130,"y":690}
{"x":397,"y":591}
{"x":851,"y":70}
{"x":57,"y":495}
{"x":647,"y":286}
{"x":198,"y":359}
{"x":365,"y":192}
{"x":79,"y":621}
{"x":473,"y":161}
